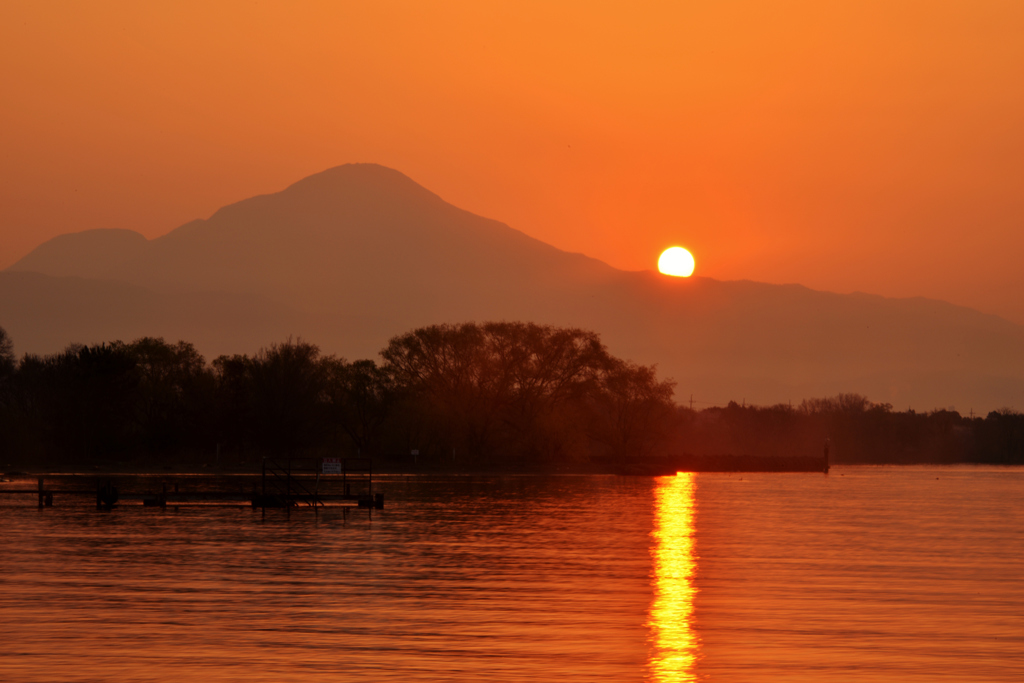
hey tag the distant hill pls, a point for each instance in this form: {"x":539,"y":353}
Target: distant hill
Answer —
{"x":358,"y":253}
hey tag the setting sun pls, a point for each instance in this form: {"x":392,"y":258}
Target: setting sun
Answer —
{"x":676,"y":261}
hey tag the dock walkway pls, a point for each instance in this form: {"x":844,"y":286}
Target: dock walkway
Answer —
{"x":291,"y":483}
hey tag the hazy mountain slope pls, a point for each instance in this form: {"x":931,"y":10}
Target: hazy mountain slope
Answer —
{"x":348,"y":239}
{"x":777,"y":343}
{"x":43,"y":314}
{"x":357,"y":253}
{"x":92,"y":254}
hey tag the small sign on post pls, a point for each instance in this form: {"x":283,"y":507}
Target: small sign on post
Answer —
{"x":331,"y":466}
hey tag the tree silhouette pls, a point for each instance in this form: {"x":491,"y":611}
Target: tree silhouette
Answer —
{"x":526,"y":393}
{"x":361,"y":397}
{"x":176,"y":391}
{"x":274,"y":401}
{"x":6,"y":353}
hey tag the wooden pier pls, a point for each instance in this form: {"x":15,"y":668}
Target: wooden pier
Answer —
{"x":289,"y":483}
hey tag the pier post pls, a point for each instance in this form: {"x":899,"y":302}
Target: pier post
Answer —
{"x":41,"y":493}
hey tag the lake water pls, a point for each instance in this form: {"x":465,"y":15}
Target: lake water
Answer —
{"x":866,"y":574}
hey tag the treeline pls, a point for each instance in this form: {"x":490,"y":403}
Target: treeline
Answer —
{"x":508,"y":396}
{"x":857,"y":431}
{"x":513,"y":395}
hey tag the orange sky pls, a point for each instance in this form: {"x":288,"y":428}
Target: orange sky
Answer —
{"x":873,"y":146}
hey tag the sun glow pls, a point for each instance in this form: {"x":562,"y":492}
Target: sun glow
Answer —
{"x":676,"y":261}
{"x":674,"y":643}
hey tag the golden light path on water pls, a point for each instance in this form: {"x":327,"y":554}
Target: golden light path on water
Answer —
{"x":674,"y":645}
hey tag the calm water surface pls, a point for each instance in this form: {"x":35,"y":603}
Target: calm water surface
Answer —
{"x":868,"y":574}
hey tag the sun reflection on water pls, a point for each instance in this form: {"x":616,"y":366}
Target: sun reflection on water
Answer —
{"x":674,"y":644}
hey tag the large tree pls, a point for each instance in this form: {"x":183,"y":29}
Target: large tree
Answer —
{"x":176,"y":391}
{"x":522,"y":391}
{"x":275,"y":400}
{"x":361,"y":397}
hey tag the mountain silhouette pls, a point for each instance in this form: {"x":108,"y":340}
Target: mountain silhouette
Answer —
{"x":356,"y":254}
